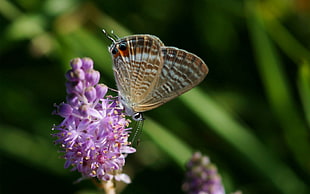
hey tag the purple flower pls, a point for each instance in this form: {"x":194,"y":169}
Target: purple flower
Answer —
{"x":202,"y":177}
{"x":94,"y":133}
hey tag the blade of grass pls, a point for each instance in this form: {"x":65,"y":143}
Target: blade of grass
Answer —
{"x":9,"y":10}
{"x":304,"y":88}
{"x":286,"y":41}
{"x":278,"y":89}
{"x":30,"y":149}
{"x":243,"y":141}
{"x":168,"y":142}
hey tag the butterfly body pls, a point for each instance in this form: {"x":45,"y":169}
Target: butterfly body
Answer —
{"x":149,"y":74}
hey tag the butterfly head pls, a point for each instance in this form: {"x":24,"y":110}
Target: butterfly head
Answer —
{"x":118,"y":47}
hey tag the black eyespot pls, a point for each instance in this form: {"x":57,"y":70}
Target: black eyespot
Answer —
{"x":114,"y":51}
{"x":122,"y":46}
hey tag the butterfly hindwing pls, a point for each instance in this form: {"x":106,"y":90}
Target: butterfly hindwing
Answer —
{"x":180,"y":72}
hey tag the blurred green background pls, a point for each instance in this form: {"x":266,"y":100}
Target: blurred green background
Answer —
{"x":251,"y":115}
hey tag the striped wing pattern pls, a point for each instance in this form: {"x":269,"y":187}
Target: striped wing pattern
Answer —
{"x":148,"y":74}
{"x":181,"y":71}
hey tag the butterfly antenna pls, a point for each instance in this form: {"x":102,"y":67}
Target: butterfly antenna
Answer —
{"x":114,"y":35}
{"x":109,"y":36}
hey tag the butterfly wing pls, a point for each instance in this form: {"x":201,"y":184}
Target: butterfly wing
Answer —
{"x":137,"y":68}
{"x":181,"y":71}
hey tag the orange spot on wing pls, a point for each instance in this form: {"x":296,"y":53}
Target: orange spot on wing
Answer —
{"x":116,"y":55}
{"x":124,"y":53}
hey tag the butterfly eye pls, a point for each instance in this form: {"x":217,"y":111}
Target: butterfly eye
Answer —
{"x":122,"y":46}
{"x":114,"y":51}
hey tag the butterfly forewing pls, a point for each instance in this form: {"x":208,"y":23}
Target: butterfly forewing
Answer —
{"x":145,"y":62}
{"x":137,"y":67}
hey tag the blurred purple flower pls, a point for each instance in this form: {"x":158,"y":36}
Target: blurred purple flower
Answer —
{"x":94,"y":133}
{"x":202,"y":176}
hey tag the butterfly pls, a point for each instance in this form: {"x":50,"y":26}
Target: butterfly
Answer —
{"x":149,"y":74}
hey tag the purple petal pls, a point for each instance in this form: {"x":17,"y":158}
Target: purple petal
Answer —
{"x":76,"y":63}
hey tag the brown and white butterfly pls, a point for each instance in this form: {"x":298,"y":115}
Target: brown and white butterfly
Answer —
{"x":149,"y":74}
